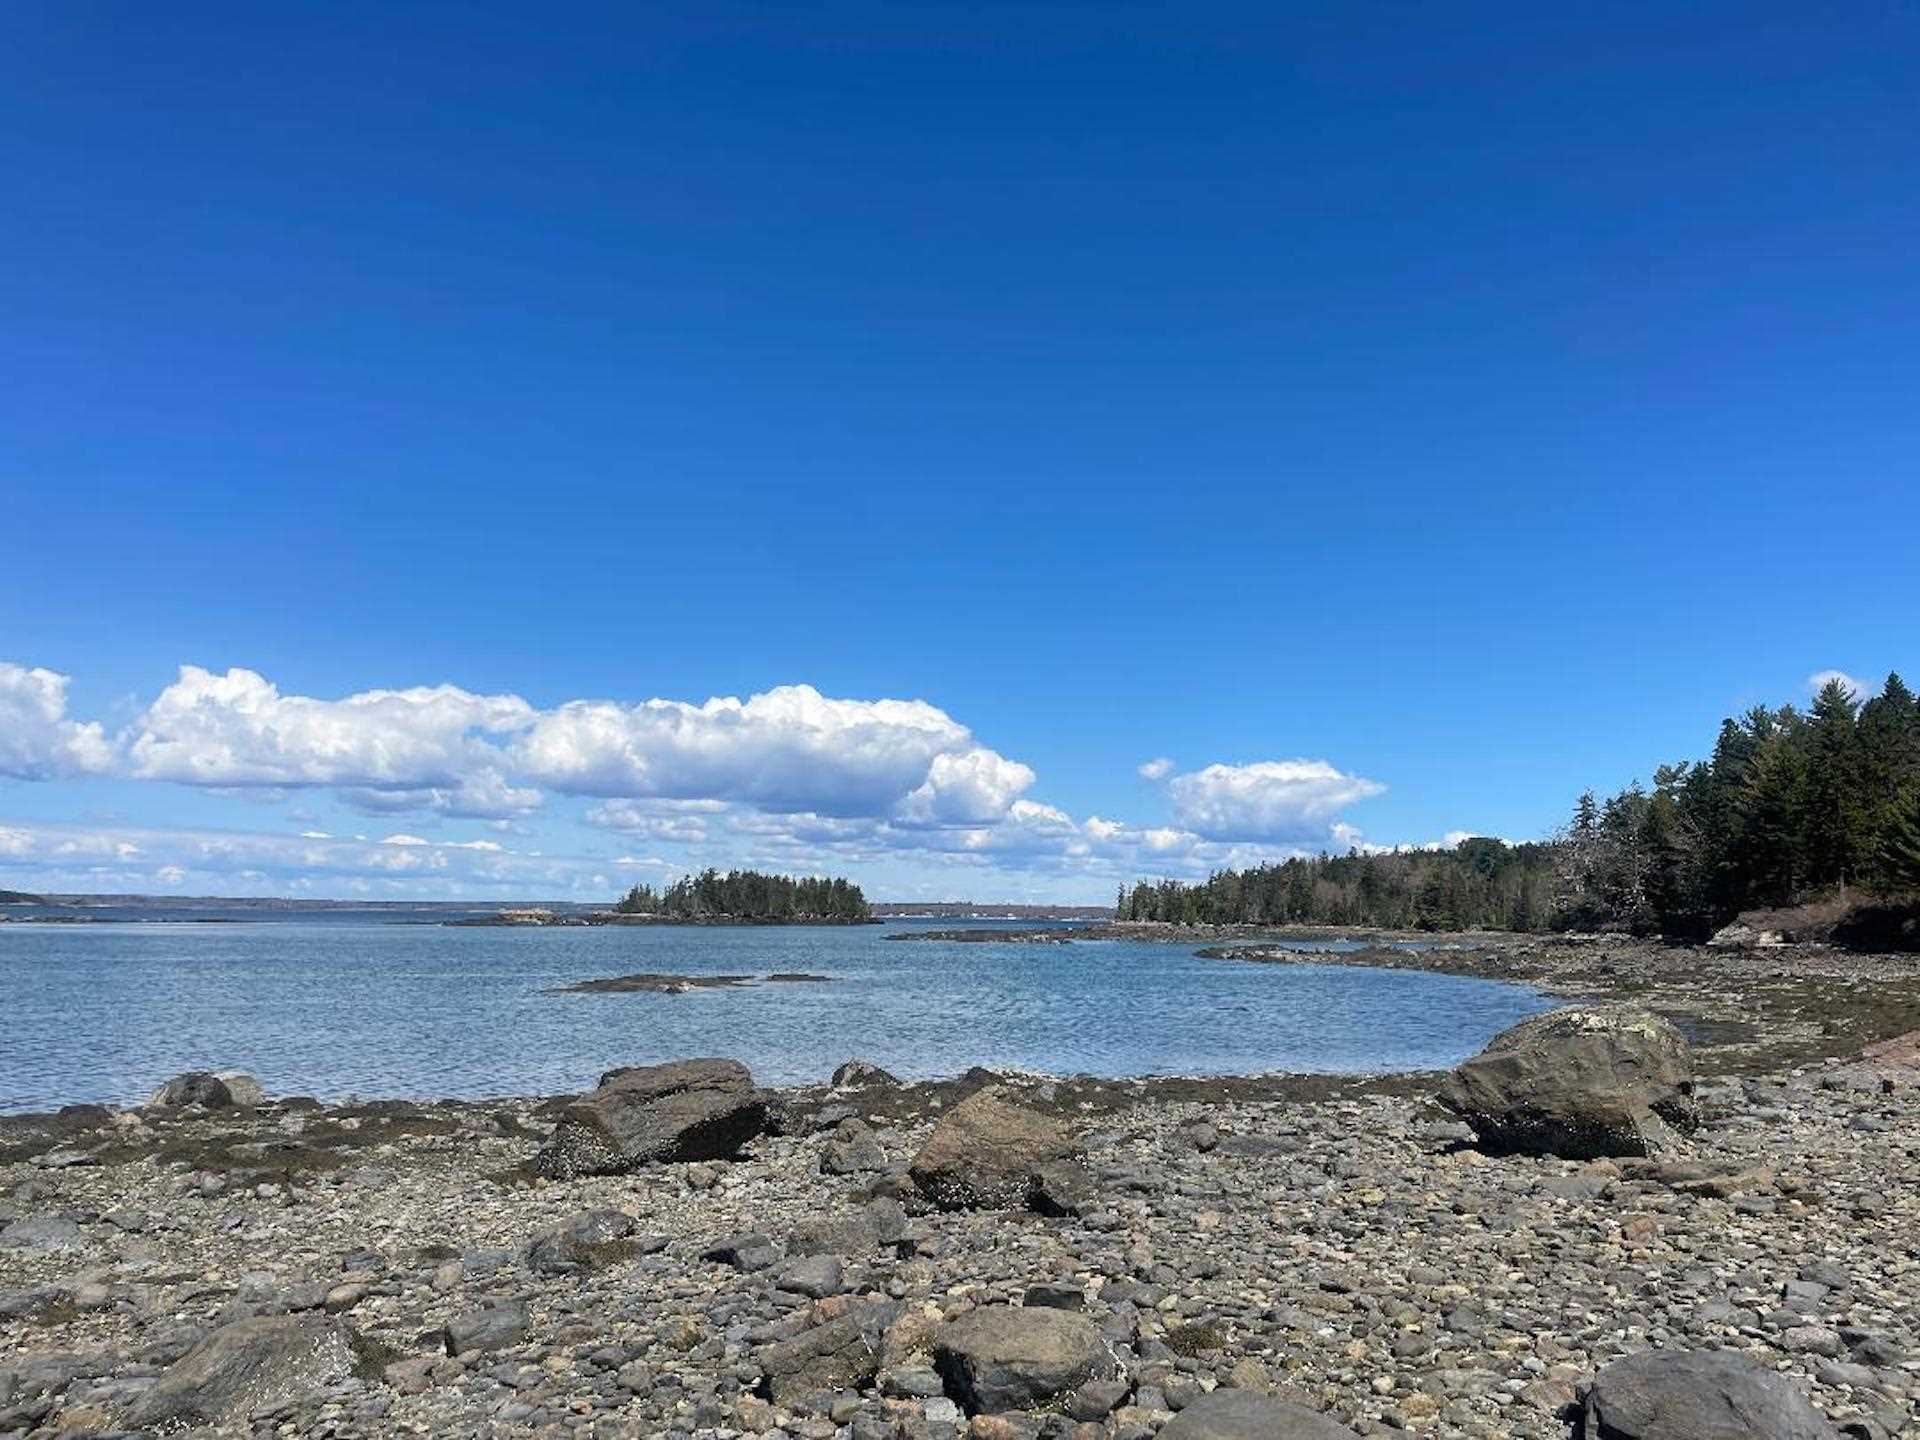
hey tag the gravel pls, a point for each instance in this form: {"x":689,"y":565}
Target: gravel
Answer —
{"x":1348,"y":1253}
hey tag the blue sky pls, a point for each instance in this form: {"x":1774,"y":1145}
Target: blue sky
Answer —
{"x":1416,"y":414}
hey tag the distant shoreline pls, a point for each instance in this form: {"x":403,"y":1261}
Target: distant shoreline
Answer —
{"x":556,"y":920}
{"x":882,"y":910}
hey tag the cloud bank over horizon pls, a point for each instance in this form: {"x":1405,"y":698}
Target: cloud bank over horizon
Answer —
{"x":787,"y":778}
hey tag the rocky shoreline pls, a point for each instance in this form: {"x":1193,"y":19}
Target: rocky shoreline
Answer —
{"x":1200,"y":1255}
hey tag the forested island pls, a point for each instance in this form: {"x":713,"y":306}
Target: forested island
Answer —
{"x":748,"y":895}
{"x":1790,"y":807}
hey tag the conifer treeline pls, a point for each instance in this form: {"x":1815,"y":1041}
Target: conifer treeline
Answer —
{"x":749,"y":895}
{"x":1790,"y":804}
{"x":1483,"y":884}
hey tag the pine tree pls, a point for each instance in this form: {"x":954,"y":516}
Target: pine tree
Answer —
{"x":1899,"y":857}
{"x":1836,"y":815}
{"x":1770,"y":810}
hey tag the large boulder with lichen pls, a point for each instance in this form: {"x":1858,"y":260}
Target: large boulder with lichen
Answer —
{"x":1578,"y":1083}
{"x":648,"y":1114}
{"x":983,"y":1153}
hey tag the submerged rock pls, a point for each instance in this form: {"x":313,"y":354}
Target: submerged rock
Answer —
{"x":984,"y":1152}
{"x":1698,"y":1395}
{"x":1578,"y":1083}
{"x":689,"y":1110}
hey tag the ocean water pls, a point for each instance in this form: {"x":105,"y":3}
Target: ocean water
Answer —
{"x":351,"y":1004}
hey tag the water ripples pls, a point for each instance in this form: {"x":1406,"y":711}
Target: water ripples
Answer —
{"x":106,"y":1012}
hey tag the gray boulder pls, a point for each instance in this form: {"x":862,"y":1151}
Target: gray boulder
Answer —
{"x":843,"y":1353}
{"x":1697,"y":1395}
{"x":852,"y":1150}
{"x":876,"y":1226}
{"x":42,"y":1232}
{"x":859,"y":1075}
{"x":244,"y":1089}
{"x":579,"y":1242}
{"x":1741,"y":936}
{"x":495,"y":1327}
{"x":1004,"y":1357}
{"x":244,"y":1366}
{"x":815,"y":1276}
{"x":1578,"y":1083}
{"x":1059,"y":1188}
{"x":689,"y":1110}
{"x":1250,"y":1415}
{"x":196,"y":1087}
{"x":983,"y":1152}
{"x":746,"y":1252}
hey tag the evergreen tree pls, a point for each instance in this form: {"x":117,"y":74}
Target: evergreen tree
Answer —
{"x":1835,"y":824}
{"x":1786,"y":803}
{"x":1899,"y":857}
{"x":750,"y":895}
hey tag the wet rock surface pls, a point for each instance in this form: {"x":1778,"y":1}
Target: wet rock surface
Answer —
{"x":647,"y":983}
{"x":1240,"y":1247}
{"x":651,"y":984}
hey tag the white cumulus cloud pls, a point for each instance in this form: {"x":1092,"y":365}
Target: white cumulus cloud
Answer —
{"x":448,"y":751}
{"x":1156,"y":769}
{"x":429,"y":744}
{"x":1820,"y":679}
{"x":1267,"y":800}
{"x":973,"y":787}
{"x":36,"y":855}
{"x":788,"y":750}
{"x":37,"y":740}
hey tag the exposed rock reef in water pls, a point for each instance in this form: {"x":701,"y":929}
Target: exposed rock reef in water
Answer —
{"x":996,"y":1257}
{"x":652,"y":984}
{"x":537,"y":919}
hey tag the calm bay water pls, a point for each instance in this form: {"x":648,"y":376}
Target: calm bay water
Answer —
{"x":339,"y":1005}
